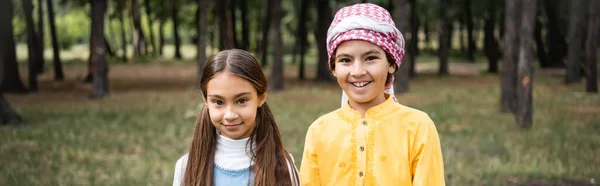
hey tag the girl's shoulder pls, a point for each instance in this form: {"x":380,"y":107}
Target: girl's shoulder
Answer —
{"x":180,"y":169}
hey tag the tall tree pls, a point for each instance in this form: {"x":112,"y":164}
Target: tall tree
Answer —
{"x":414,"y":38}
{"x":264,"y":44}
{"x":150,"y":19}
{"x":578,"y":9}
{"x":444,"y":37}
{"x":401,"y":84}
{"x":161,"y":36}
{"x":492,"y":50}
{"x":227,"y":28}
{"x":201,"y":27}
{"x":469,"y":21}
{"x":58,"y":69}
{"x":525,"y":65}
{"x":277,"y":77}
{"x":139,"y":38}
{"x":10,"y":80}
{"x":121,"y":7}
{"x":323,"y":21}
{"x":40,"y":33}
{"x":174,"y":10}
{"x":243,"y":5}
{"x":302,"y":36}
{"x":539,"y":42}
{"x":98,"y":52}
{"x":508,"y":85}
{"x":555,"y":37}
{"x":591,"y":47}
{"x":34,"y":52}
{"x":7,"y":114}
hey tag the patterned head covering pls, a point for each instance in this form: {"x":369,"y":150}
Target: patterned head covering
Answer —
{"x":368,"y":22}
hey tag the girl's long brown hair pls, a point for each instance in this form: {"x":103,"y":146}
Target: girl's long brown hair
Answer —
{"x":271,"y":160}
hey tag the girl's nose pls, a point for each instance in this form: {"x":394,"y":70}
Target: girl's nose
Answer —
{"x":230,"y":114}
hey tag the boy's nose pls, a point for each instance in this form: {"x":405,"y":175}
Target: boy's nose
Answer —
{"x":358,"y":69}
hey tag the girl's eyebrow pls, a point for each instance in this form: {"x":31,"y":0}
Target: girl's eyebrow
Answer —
{"x":236,"y":96}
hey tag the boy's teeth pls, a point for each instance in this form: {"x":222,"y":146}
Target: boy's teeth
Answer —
{"x":361,"y":84}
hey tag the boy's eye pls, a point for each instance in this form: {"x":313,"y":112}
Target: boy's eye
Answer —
{"x":217,"y":102}
{"x":242,"y":101}
{"x":344,"y":60}
{"x":371,"y":58}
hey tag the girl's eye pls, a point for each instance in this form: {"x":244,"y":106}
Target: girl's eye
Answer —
{"x":217,"y":102}
{"x":242,"y":101}
{"x":371,"y":58}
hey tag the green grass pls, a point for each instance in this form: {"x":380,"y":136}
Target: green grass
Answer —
{"x":135,"y":136}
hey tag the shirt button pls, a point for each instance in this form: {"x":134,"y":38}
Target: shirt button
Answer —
{"x":360,"y":174}
{"x":364,"y":122}
{"x":362,"y":148}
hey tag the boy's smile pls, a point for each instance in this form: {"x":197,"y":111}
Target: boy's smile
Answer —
{"x":361,"y":69}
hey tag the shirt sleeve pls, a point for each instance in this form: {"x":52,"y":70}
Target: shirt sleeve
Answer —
{"x":427,"y":166}
{"x":180,"y":170}
{"x":309,"y":168}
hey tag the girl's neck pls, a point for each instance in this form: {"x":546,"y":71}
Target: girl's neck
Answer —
{"x":363,"y":107}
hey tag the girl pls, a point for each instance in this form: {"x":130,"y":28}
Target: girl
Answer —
{"x":236,"y":140}
{"x":371,"y":140}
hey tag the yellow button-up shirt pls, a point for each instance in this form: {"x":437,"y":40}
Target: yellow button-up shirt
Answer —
{"x":392,"y":145}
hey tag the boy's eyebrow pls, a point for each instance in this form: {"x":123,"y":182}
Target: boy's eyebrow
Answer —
{"x":343,"y":55}
{"x":221,"y":97}
{"x":371,"y":52}
{"x":365,"y":54}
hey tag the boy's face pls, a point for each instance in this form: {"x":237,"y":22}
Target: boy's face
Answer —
{"x":232,"y":105}
{"x":361,"y":69}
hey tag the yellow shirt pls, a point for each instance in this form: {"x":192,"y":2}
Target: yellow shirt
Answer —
{"x":392,"y":145}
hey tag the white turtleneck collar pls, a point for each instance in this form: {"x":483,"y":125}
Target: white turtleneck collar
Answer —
{"x":232,"y":154}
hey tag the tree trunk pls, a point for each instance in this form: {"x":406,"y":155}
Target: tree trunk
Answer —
{"x":591,"y":47}
{"x":302,"y":37}
{"x":7,"y":114}
{"x":58,"y":69}
{"x":401,"y":84}
{"x":10,"y":79}
{"x":508,"y":83}
{"x":539,"y":43}
{"x":174,"y":10}
{"x":139,"y":39}
{"x":427,"y":33}
{"x":228,"y":34}
{"x":40,"y":33}
{"x":201,"y":26}
{"x":264,"y":44}
{"x":525,"y":65}
{"x":492,"y":50}
{"x":444,"y":37}
{"x":555,"y":37}
{"x":161,"y":37}
{"x":32,"y":46}
{"x":277,"y":77}
{"x":575,"y":42}
{"x":471,"y":41}
{"x":461,"y":35}
{"x":150,"y":25}
{"x":245,"y":45}
{"x":98,"y":52}
{"x":232,"y":17}
{"x":121,"y":8}
{"x":323,"y":21}
{"x":414,"y":38}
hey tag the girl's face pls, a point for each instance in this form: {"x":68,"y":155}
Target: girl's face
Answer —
{"x":232,"y":104}
{"x":361,"y":69}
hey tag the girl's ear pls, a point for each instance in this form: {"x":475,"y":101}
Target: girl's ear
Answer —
{"x":262,"y":99}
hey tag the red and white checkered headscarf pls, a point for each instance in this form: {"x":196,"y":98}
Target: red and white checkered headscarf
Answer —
{"x":368,"y":22}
